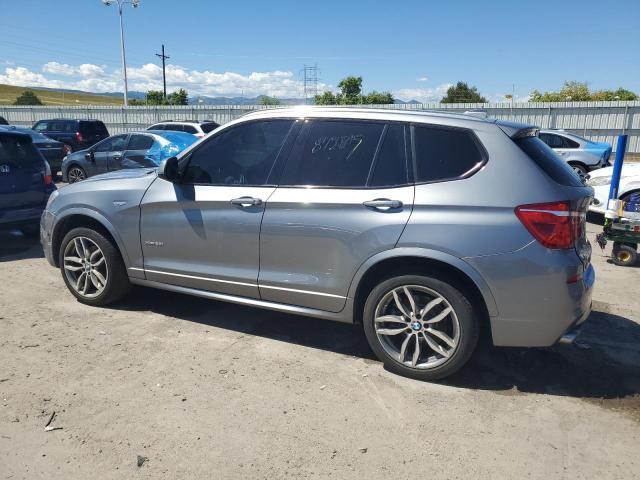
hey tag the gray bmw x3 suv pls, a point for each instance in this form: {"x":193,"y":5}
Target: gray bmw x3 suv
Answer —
{"x":409,"y":223}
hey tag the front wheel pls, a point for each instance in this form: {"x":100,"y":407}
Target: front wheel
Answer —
{"x":421,"y":327}
{"x":92,"y":267}
{"x":76,"y":174}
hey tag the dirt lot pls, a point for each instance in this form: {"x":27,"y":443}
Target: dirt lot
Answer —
{"x":211,"y":390}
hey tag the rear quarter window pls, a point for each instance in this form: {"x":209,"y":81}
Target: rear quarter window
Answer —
{"x":208,"y":127}
{"x":556,"y":168}
{"x":443,"y":153}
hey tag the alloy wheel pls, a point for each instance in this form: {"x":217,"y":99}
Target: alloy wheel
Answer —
{"x":76,"y":174}
{"x":85,"y":267}
{"x":417,"y":326}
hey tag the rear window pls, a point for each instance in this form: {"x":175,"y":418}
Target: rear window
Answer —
{"x":18,"y":152}
{"x":93,"y":128}
{"x":189,"y":129}
{"x":549,"y":162}
{"x":208,"y":127}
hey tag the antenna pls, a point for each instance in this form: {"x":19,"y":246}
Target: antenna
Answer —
{"x":164,"y":78}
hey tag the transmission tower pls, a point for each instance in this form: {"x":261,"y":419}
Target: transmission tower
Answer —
{"x":310,"y":81}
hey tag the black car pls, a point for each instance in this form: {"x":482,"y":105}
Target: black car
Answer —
{"x":78,"y":134}
{"x":25,"y":182}
{"x":52,"y":150}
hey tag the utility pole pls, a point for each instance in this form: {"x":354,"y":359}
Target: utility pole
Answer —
{"x":121,"y":3}
{"x":164,"y":78}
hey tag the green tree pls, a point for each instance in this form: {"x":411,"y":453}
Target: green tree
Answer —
{"x":266,"y":100}
{"x":179,"y":97}
{"x":155,"y":97}
{"x":350,"y":90}
{"x":579,"y":92}
{"x":27,"y":98}
{"x":351,"y":94}
{"x":378,"y":98}
{"x":461,"y":92}
{"x":327,"y":98}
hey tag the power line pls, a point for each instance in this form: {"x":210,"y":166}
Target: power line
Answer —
{"x":164,"y":78}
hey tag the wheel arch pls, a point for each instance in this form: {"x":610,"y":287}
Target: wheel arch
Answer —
{"x":83,"y":217}
{"x":418,"y":260}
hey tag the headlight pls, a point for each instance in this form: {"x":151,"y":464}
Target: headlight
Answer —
{"x":599,"y":181}
{"x":52,"y":197}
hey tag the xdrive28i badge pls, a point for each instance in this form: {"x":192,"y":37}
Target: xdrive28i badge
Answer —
{"x":4,"y":168}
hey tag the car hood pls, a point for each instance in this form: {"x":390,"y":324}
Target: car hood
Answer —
{"x":628,"y":170}
{"x":127,"y":174}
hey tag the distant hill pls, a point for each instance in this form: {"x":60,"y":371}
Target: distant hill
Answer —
{"x":53,"y":96}
{"x":50,"y":96}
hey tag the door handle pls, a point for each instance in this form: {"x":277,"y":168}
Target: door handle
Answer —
{"x":383,"y":204}
{"x":246,"y":201}
{"x":117,"y":157}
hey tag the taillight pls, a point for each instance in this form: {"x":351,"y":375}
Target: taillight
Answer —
{"x":79,"y":137}
{"x":553,"y":224}
{"x":66,"y":149}
{"x":46,"y":174}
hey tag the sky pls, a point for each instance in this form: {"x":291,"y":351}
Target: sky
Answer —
{"x":415,"y":49}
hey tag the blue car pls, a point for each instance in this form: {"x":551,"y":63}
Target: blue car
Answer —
{"x":128,"y":150}
{"x":25,"y":182}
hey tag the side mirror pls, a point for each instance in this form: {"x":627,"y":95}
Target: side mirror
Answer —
{"x":89,"y":156}
{"x":169,"y":169}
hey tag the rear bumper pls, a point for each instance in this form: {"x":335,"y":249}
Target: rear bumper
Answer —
{"x":20,"y":216}
{"x":536,"y":305}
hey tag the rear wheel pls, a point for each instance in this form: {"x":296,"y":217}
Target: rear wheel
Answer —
{"x":580,"y":169}
{"x":421,"y":327}
{"x":76,"y":174}
{"x":92,"y":268}
{"x":624,"y":254}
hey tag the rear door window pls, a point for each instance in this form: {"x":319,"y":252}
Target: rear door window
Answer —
{"x":172,"y":127}
{"x":140,"y":142}
{"x":18,"y":153}
{"x":443,"y":153}
{"x":549,"y":162}
{"x":390,"y":166}
{"x":333,"y":153}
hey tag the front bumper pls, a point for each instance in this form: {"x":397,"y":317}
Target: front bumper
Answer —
{"x":46,"y":229}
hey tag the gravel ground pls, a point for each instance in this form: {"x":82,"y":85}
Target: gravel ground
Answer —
{"x":169,"y":386}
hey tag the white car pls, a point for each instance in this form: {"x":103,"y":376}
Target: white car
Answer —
{"x":583,"y":155}
{"x":199,"y":129}
{"x":600,"y":180}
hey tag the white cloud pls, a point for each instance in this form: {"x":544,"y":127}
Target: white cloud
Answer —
{"x":58,"y":68}
{"x":423,"y":95}
{"x":96,"y":78}
{"x":422,"y":79}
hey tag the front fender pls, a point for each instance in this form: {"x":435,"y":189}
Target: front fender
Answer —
{"x":426,"y":253}
{"x":67,"y":213}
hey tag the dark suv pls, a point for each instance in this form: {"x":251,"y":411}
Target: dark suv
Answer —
{"x":25,"y":182}
{"x":78,"y":134}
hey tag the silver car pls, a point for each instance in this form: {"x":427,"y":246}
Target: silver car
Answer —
{"x":409,"y":223}
{"x":581,"y":154}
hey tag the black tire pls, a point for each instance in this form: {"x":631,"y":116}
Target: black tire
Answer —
{"x":464,"y":311}
{"x":117,"y":280}
{"x":580,"y":169}
{"x":624,"y":254}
